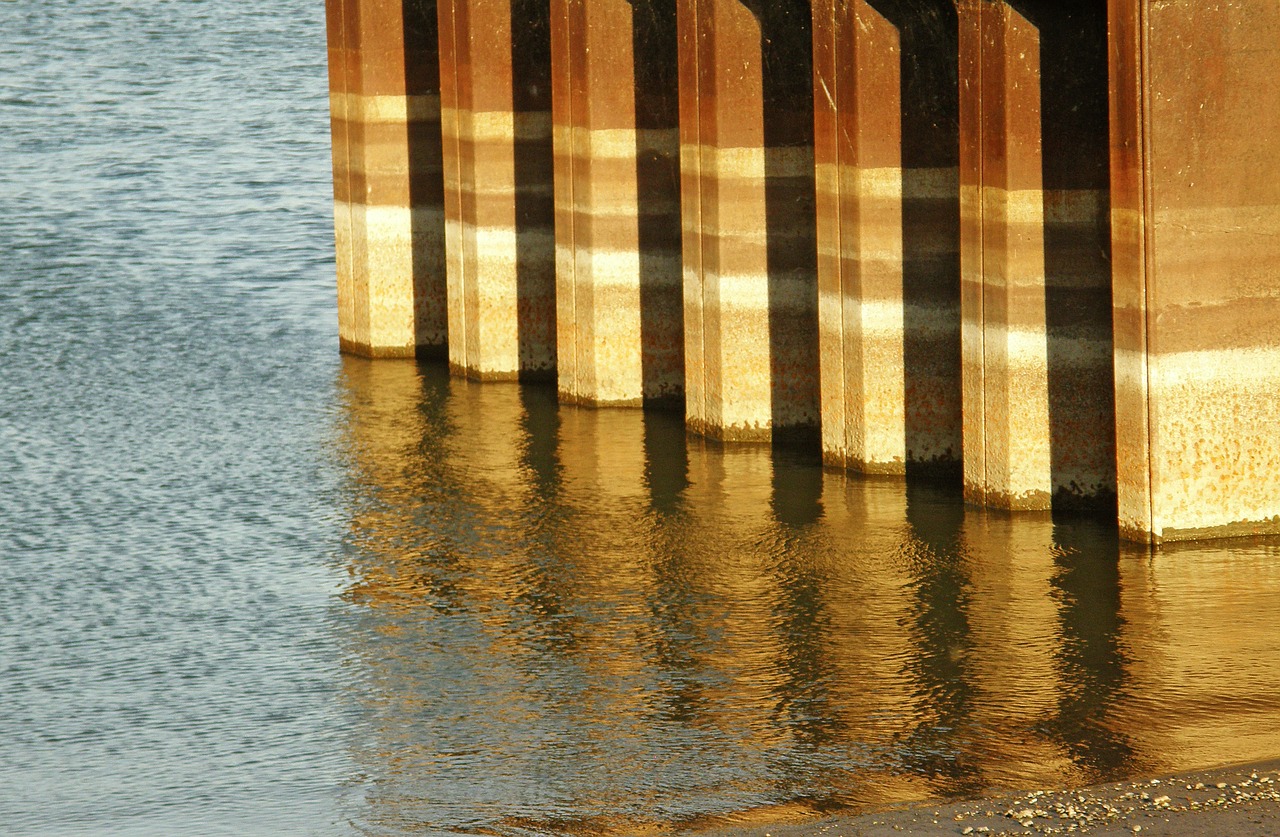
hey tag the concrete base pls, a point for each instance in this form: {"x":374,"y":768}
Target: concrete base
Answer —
{"x":1195,"y":154}
{"x":987,"y":280}
{"x":619,"y":327}
{"x":1035,"y":297}
{"x":750,"y":289}
{"x":388,"y":205}
{"x":496,"y":126}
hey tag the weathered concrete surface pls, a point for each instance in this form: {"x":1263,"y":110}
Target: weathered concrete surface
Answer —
{"x":620,"y":329}
{"x":1035,"y":290}
{"x":750,"y":288}
{"x":495,"y":71}
{"x":886,"y":111}
{"x":388,"y":207}
{"x":1195,"y":158}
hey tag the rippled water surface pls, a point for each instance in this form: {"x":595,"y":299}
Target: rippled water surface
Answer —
{"x":247,"y":587}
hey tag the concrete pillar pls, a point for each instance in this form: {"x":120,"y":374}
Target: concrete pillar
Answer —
{"x":1195,"y":153}
{"x":1035,"y":277}
{"x":495,"y":71}
{"x":888,"y":232}
{"x":750,"y":289}
{"x":388,"y":212}
{"x":620,"y":330}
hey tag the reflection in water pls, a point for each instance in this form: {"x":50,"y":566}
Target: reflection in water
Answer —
{"x":566,"y":619}
{"x":1090,"y":661}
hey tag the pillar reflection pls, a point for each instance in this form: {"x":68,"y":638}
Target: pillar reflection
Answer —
{"x":1092,"y":659}
{"x":562,"y":618}
{"x":1204,"y":680}
{"x":940,"y":666}
{"x":1014,"y":632}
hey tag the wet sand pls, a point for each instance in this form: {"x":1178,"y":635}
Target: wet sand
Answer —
{"x":1239,"y":801}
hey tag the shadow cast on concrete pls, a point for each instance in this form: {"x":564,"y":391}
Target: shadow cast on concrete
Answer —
{"x":534,"y":196}
{"x":426,"y":181}
{"x":655,"y":47}
{"x":786,"y":49}
{"x":928,"y":33}
{"x":1075,"y":148}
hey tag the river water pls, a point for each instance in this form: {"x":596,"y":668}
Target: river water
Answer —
{"x":250,"y":587}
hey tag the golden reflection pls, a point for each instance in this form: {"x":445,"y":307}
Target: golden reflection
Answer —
{"x":1204,"y":676}
{"x":564,"y":618}
{"x":1013,"y":621}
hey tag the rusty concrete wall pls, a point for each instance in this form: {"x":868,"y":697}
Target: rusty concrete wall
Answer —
{"x":495,"y":74}
{"x":1035,"y":302}
{"x":620,"y":327}
{"x":898,"y":220}
{"x":750,"y":288}
{"x":388,"y":205}
{"x":886,"y":152}
{"x":1196,"y":236}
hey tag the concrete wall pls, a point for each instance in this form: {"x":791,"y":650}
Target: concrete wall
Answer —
{"x":1030,"y":241}
{"x":388,"y":197}
{"x":1195,"y":130}
{"x":620,"y":328}
{"x":746,"y":145}
{"x":1036,"y":307}
{"x":496,"y":125}
{"x":886,"y":151}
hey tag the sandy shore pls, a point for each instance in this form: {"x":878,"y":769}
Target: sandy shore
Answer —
{"x":1242,"y":800}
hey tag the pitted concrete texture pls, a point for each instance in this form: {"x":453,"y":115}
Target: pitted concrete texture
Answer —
{"x":1037,"y":368}
{"x":388,"y":213}
{"x":857,"y":101}
{"x":499,"y":216}
{"x":1196,"y":238}
{"x":618,"y":272}
{"x":750,"y":287}
{"x":888,"y":208}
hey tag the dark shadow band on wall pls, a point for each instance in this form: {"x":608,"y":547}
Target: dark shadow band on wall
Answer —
{"x":534,"y":194}
{"x":655,"y":47}
{"x":426,"y":179}
{"x":791,"y":248}
{"x":1074,"y":130}
{"x":928,"y":32}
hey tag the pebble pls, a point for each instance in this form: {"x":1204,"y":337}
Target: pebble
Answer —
{"x":1075,"y":812}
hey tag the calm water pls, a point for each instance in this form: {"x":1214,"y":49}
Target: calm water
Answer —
{"x":247,"y":587}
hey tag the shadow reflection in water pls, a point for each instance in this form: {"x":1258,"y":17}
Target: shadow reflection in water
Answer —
{"x":564,"y":619}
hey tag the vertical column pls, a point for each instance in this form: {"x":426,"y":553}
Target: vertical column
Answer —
{"x":750,"y":290}
{"x":1004,"y":366}
{"x":888,"y":235}
{"x":1035,"y":296}
{"x":496,"y":123}
{"x":618,"y":282}
{"x":388,"y":213}
{"x":1196,"y":238}
{"x":857,"y":153}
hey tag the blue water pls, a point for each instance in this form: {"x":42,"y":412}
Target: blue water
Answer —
{"x":250,"y":587}
{"x":170,"y":512}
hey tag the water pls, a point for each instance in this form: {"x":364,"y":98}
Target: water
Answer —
{"x":249,"y":587}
